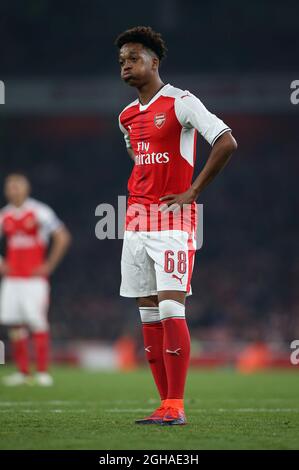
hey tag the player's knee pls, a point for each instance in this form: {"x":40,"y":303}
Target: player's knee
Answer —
{"x":171,"y":309}
{"x":17,"y":333}
{"x":151,"y":301}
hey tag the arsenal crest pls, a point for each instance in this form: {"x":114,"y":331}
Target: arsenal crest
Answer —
{"x":159,"y":120}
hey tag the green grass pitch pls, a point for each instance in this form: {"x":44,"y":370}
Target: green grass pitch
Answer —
{"x":96,"y":410}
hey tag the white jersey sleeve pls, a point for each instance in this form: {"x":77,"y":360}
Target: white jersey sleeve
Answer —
{"x":191,"y":112}
{"x":126,"y":134}
{"x":48,"y":219}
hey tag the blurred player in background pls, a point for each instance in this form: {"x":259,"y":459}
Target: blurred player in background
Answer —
{"x":160,"y":129}
{"x":27,"y":226}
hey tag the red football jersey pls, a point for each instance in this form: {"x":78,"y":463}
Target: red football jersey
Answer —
{"x":162,"y":134}
{"x":27,"y":230}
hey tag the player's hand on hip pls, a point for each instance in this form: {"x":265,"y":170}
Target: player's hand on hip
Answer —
{"x":4,"y":268}
{"x":174,"y":202}
{"x":42,"y":270}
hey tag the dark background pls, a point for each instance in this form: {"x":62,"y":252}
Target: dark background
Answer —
{"x":245,"y":281}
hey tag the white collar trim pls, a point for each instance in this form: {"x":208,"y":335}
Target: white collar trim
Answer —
{"x":143,"y":107}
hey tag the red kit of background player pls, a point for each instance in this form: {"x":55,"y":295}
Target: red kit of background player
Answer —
{"x":27,"y":226}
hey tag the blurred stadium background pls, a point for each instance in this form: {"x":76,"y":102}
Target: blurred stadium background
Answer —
{"x":59,"y":125}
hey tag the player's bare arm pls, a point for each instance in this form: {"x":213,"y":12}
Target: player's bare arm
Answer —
{"x":218,"y":158}
{"x":61,"y":240}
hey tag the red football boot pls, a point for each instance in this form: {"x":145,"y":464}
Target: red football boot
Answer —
{"x":174,"y":416}
{"x":155,"y":418}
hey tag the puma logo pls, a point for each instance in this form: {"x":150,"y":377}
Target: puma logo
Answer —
{"x":178,"y":278}
{"x":176,"y":351}
{"x":147,"y":349}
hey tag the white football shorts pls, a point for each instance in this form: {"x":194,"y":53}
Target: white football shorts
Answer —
{"x":24,"y":302}
{"x":156,"y":261}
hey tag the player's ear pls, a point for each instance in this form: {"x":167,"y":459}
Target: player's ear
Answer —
{"x":155,"y":63}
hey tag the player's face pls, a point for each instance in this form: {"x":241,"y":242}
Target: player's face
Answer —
{"x":16,"y":189}
{"x":137,"y":65}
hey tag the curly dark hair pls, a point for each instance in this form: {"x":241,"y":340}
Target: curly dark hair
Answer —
{"x":146,"y":36}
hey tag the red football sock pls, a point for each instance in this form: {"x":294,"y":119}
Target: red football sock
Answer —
{"x":153,"y":345}
{"x":176,"y":349}
{"x":20,"y":351}
{"x":41,"y":344}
